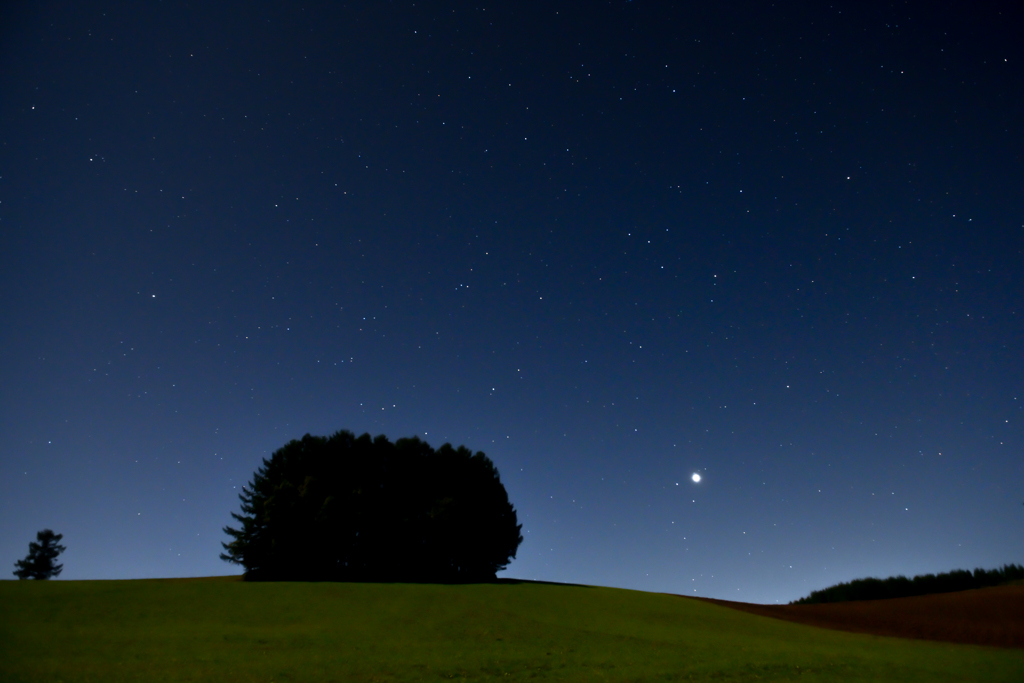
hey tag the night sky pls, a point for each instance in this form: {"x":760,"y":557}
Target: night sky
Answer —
{"x":610,"y":244}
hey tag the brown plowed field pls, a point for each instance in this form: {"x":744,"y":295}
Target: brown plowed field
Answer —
{"x":987,"y":616}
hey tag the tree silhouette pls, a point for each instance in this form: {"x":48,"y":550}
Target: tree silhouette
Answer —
{"x":922,"y":584}
{"x":362,"y":509}
{"x":39,"y":563}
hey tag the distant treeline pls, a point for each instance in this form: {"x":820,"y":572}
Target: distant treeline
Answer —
{"x":924,"y":584}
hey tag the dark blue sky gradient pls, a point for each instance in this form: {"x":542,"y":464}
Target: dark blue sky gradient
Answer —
{"x":610,"y":244}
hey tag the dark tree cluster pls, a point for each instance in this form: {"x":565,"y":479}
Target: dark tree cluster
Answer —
{"x":923,"y":584}
{"x":347,"y":508}
{"x":41,"y":562}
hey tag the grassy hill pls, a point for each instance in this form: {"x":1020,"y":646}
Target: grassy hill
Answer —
{"x":223,"y":630}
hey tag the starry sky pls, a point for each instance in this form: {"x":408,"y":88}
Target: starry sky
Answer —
{"x":610,"y":244}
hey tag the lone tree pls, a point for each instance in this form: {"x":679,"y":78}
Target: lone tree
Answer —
{"x":343,"y":508}
{"x":39,"y":563}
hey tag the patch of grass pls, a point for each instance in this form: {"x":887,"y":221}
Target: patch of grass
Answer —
{"x":227,"y":630}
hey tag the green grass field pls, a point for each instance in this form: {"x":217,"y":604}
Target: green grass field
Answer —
{"x":223,"y":630}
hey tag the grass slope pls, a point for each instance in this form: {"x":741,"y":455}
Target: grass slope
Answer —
{"x":226,"y":630}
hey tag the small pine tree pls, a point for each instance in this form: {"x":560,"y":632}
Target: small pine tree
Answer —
{"x":39,"y":564}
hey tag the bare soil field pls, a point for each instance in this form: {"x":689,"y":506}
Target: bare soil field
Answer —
{"x":987,"y":616}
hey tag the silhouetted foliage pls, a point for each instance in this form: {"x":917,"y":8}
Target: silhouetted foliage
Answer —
{"x":923,"y":584}
{"x":359,"y":509}
{"x":42,"y":553}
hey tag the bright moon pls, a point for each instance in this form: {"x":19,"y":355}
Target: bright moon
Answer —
{"x":695,"y":477}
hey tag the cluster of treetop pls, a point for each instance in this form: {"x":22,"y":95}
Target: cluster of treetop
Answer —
{"x":347,"y":508}
{"x":923,"y":584}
